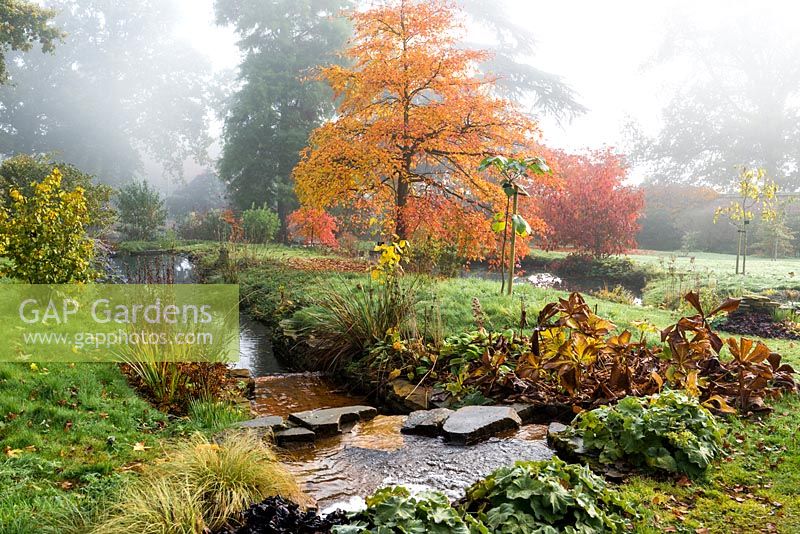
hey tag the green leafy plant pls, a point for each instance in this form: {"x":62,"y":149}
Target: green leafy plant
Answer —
{"x":207,"y":226}
{"x":394,"y":509}
{"x":141,"y":211}
{"x":215,"y":414}
{"x":669,"y":431}
{"x":260,"y":225}
{"x":548,"y":498}
{"x":513,"y":172}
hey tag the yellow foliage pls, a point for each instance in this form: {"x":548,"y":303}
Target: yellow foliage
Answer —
{"x":45,"y":235}
{"x":392,"y":254}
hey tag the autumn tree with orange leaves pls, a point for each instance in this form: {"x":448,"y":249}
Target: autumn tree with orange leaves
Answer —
{"x":414,"y":120}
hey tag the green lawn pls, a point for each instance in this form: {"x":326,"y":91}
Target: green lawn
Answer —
{"x":71,"y":436}
{"x":669,"y":274}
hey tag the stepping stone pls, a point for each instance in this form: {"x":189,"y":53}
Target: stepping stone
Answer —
{"x":294,"y":435}
{"x":426,"y":422}
{"x":475,"y":423}
{"x":411,"y":396}
{"x":330,"y":421}
{"x":239,"y":373}
{"x":526,"y":412}
{"x":272,"y":423}
{"x":570,"y":446}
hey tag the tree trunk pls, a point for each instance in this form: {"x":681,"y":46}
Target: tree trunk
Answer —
{"x":283,"y":215}
{"x":738,"y":248}
{"x":503,"y":249}
{"x":512,"y":255}
{"x":402,"y":193}
{"x":744,"y":253}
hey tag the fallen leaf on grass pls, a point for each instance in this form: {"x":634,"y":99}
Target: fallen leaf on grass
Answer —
{"x":140,"y":446}
{"x":12,"y":453}
{"x":133,"y":466}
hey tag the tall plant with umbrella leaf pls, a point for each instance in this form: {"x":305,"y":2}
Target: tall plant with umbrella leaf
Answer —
{"x":512,"y":170}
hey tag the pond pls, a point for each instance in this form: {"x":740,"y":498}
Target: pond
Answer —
{"x":152,"y":268}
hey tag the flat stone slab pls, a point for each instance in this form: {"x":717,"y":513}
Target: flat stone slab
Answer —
{"x":239,"y":373}
{"x":571,"y":446}
{"x":526,"y":412}
{"x":269,"y":422}
{"x":411,"y":396}
{"x":426,"y":422}
{"x":330,"y":421}
{"x":294,"y":435}
{"x":471,"y":424}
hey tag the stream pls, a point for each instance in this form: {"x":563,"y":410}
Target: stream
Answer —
{"x":338,"y":472}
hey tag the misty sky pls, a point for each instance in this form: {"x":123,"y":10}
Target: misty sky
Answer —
{"x":602,"y":49}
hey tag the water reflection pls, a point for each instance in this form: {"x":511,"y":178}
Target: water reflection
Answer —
{"x":255,"y":348}
{"x":162,"y":268}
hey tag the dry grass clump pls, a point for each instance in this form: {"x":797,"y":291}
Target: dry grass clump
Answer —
{"x":201,"y":486}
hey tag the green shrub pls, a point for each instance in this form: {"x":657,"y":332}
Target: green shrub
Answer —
{"x":141,"y":211}
{"x":205,"y":226}
{"x":548,"y":498}
{"x":22,"y":172}
{"x":436,"y":257}
{"x":261,"y":225}
{"x":45,"y":234}
{"x":393,"y":509}
{"x":670,"y":432}
{"x":618,"y":294}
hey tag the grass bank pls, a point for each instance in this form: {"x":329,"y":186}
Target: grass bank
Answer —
{"x":667,"y":275}
{"x":71,"y":436}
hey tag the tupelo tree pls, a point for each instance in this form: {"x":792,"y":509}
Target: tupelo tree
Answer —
{"x":414,"y":119}
{"x":594,"y":211}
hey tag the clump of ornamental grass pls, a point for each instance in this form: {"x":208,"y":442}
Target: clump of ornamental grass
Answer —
{"x":214,"y":414}
{"x":155,"y":505}
{"x":202,"y":486}
{"x":172,"y":375}
{"x":347,"y":321}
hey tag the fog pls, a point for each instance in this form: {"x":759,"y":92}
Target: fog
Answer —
{"x":687,"y":90}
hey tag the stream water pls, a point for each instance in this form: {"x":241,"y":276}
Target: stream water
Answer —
{"x":340,"y":471}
